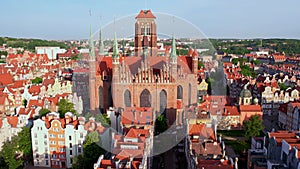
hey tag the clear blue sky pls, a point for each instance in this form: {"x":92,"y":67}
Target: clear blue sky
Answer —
{"x":69,"y":19}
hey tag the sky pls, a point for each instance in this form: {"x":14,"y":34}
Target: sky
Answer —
{"x":70,"y":19}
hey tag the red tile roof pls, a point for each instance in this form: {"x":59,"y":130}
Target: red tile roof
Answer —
{"x":22,"y":111}
{"x":2,"y":99}
{"x":145,"y":14}
{"x":214,"y":164}
{"x":137,"y":116}
{"x":202,"y":130}
{"x":107,"y":163}
{"x":12,"y":120}
{"x":34,"y":90}
{"x":38,"y":103}
{"x":231,"y":111}
{"x":6,"y":79}
{"x":279,"y":57}
{"x":136,"y":133}
{"x":250,"y":108}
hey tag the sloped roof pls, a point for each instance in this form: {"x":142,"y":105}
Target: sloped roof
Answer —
{"x":6,"y":78}
{"x":145,"y":14}
{"x":250,"y":108}
{"x":202,"y":130}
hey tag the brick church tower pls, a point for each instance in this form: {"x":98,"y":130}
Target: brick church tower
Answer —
{"x":92,"y":74}
{"x":145,"y":22}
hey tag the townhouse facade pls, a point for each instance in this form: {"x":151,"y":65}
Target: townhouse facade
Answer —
{"x":56,"y":141}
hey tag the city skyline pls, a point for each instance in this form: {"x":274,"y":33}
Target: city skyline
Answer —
{"x":235,"y":19}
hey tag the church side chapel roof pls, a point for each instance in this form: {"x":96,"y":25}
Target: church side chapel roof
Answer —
{"x":136,"y":115}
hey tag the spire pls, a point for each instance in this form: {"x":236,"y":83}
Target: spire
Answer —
{"x":92,"y":55}
{"x":173,"y":50}
{"x":115,"y":48}
{"x":101,"y":45}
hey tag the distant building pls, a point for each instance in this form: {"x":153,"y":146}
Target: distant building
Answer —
{"x":50,"y":51}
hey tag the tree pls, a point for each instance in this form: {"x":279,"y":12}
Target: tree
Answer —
{"x":92,"y":137}
{"x":253,"y":127}
{"x":200,"y":65}
{"x":161,"y":124}
{"x":78,"y":162}
{"x":3,"y":164}
{"x":9,"y":154}
{"x":283,"y":86}
{"x":91,"y":152}
{"x":43,"y":112}
{"x":37,"y":80}
{"x":256,"y":62}
{"x":64,"y":106}
{"x":24,"y":102}
{"x":24,"y":143}
{"x":103,"y":119}
{"x":18,"y":150}
{"x":210,"y":82}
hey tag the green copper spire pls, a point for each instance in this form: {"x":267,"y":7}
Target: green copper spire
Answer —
{"x":173,"y":50}
{"x":101,"y":45}
{"x":92,"y":55}
{"x":115,"y":48}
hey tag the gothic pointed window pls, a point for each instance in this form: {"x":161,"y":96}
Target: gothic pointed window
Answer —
{"x":145,"y":98}
{"x":127,"y":98}
{"x":179,"y":92}
{"x":163,"y":101}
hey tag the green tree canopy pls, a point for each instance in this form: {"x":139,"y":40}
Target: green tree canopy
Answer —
{"x":161,"y":124}
{"x":200,"y":64}
{"x":24,"y":102}
{"x":43,"y":112}
{"x":91,"y":152}
{"x":24,"y":141}
{"x":64,"y":106}
{"x":283,"y":86}
{"x":37,"y":80}
{"x":253,"y":127}
{"x":8,"y":153}
{"x":247,"y":71}
{"x":103,"y":119}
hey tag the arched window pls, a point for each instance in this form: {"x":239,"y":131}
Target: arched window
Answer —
{"x":162,"y":102}
{"x":127,"y":98}
{"x":145,"y":98}
{"x":179,"y":92}
{"x":190,"y":94}
{"x":100,"y":95}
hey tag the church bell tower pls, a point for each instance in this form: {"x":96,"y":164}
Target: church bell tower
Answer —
{"x":145,"y":22}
